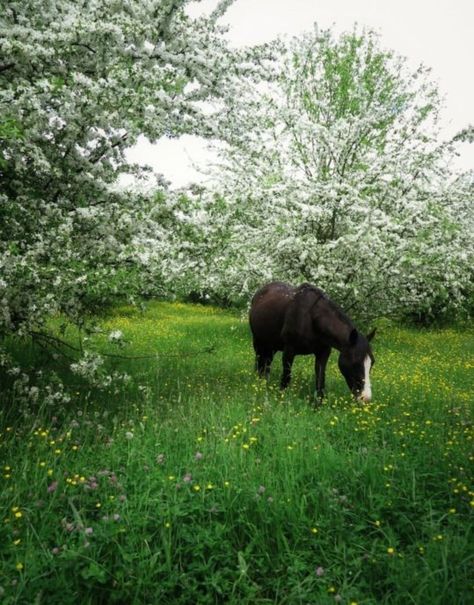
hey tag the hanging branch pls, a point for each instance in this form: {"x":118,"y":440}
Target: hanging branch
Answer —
{"x":55,"y":343}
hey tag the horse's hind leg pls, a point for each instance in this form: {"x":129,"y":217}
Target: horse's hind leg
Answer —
{"x":263,"y":360}
{"x":288,"y":357}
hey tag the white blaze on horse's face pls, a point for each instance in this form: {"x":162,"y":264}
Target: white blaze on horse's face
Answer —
{"x":366,"y":394}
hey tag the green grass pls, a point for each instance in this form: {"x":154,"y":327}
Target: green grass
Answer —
{"x":197,"y":483}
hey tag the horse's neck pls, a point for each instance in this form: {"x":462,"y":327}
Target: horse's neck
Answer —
{"x":335,"y":327}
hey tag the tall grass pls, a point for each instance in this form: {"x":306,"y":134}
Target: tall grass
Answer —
{"x":198,"y":483}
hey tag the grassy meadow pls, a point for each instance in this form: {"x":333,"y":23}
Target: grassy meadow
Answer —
{"x":197,"y":483}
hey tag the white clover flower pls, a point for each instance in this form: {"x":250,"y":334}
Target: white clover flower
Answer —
{"x":115,"y":336}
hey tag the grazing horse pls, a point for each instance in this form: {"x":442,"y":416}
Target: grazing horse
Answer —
{"x":303,"y":320}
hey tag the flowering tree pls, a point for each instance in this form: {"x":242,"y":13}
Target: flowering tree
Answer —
{"x":78,"y":84}
{"x":190,"y":252}
{"x":334,"y":174}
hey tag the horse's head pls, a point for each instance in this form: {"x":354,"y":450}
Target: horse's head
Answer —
{"x":355,"y":363}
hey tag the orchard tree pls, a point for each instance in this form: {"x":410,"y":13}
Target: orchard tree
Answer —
{"x":189,"y":234}
{"x":335,"y":174}
{"x":79,"y":82}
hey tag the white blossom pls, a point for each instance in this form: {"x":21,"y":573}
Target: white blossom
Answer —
{"x":334,"y":173}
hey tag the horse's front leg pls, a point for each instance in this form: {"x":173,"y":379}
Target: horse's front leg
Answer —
{"x":288,"y":357}
{"x":321,"y":359}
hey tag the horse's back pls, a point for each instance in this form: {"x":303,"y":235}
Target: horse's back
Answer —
{"x":274,"y":290}
{"x":267,"y":314}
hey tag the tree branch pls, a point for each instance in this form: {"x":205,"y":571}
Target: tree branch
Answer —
{"x":121,"y":140}
{"x":55,"y":343}
{"x":86,"y":46}
{"x":6,"y":66}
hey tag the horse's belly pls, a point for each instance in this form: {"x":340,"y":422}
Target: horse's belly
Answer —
{"x":304,"y":350}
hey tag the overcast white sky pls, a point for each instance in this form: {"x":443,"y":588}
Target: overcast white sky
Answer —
{"x":437,"y":33}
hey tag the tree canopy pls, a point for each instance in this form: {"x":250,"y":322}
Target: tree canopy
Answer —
{"x":334,"y":173}
{"x":79,"y":82}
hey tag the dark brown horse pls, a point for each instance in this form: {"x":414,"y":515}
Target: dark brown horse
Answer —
{"x":304,"y":321}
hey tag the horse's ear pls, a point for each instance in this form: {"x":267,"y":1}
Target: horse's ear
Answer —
{"x":353,"y":337}
{"x":371,"y":334}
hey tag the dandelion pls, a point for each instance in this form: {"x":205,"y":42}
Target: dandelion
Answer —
{"x":129,"y":435}
{"x":390,"y":550}
{"x":19,"y":566}
{"x":89,"y":531}
{"x":319,"y":571}
{"x":314,"y":530}
{"x":187,"y":478}
{"x":198,"y":456}
{"x":261,"y":490}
